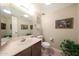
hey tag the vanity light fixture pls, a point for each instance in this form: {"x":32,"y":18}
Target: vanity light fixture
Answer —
{"x":47,"y":3}
{"x":25,"y":15}
{"x":7,"y":11}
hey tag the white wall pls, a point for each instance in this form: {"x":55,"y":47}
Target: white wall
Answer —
{"x":78,"y":24}
{"x":37,"y":28}
{"x":48,"y":25}
{"x":14,"y":26}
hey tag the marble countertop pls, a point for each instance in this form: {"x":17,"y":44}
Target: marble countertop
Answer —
{"x":4,"y":40}
{"x":15,"y":45}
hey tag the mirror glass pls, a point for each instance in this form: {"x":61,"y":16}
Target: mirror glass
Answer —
{"x":5,"y":24}
{"x":15,"y":22}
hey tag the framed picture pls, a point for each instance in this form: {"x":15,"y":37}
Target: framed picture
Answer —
{"x":64,"y":23}
{"x":24,"y":27}
{"x":3,"y":26}
{"x":31,"y":27}
{"x":10,"y":26}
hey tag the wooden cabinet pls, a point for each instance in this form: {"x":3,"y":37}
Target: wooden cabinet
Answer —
{"x":34,"y":50}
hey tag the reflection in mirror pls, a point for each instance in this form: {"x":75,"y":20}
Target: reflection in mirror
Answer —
{"x":23,"y":26}
{"x":15,"y":22}
{"x":5,"y":24}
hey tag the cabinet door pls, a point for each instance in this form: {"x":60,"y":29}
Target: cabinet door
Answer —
{"x":36,"y":49}
{"x":26,"y":52}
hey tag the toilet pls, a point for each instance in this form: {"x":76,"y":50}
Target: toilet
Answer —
{"x":45,"y":48}
{"x":45,"y":45}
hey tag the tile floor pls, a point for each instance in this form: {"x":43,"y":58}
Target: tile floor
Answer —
{"x":52,"y":52}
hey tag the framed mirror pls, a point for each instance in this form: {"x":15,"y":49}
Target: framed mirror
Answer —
{"x":16,"y":24}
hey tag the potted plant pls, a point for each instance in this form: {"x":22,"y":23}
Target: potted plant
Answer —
{"x":70,"y":48}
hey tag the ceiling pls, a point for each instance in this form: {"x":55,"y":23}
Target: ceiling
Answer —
{"x":53,"y":6}
{"x":40,"y":7}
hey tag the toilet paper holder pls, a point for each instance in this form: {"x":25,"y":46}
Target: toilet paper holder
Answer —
{"x":52,"y":39}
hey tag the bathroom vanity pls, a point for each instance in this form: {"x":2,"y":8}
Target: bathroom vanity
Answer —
{"x":34,"y":50}
{"x":22,"y":46}
{"x":16,"y":31}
